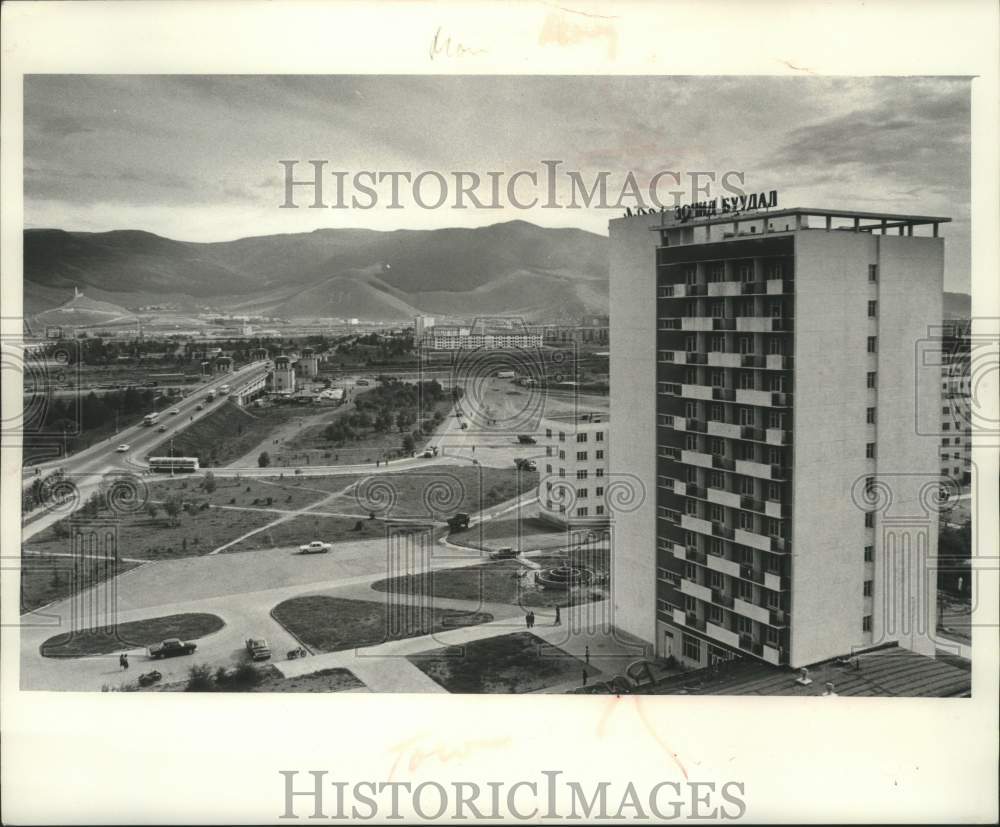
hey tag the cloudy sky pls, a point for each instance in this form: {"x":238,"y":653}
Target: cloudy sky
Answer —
{"x":196,"y":157}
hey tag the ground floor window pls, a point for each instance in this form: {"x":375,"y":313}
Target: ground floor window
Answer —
{"x":692,"y":648}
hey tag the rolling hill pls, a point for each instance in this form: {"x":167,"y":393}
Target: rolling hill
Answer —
{"x":514,"y":267}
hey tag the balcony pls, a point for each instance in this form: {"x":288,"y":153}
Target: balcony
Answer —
{"x":753,"y":288}
{"x":751,"y":504}
{"x":748,"y":572}
{"x":751,"y":397}
{"x":754,"y":469}
{"x":668,"y":389}
{"x":754,"y":324}
{"x":723,"y":463}
{"x":696,"y":524}
{"x":778,"y":619}
{"x":679,"y":551}
{"x":778,"y":362}
{"x":721,"y":599}
{"x":698,"y":458}
{"x":697,"y":323}
{"x":776,"y":510}
{"x":694,"y":590}
{"x":776,"y":287}
{"x":679,"y":617}
{"x":668,"y":452}
{"x":724,"y":429}
{"x":702,"y":392}
{"x":724,"y":288}
{"x":726,"y":498}
{"x":717,"y":359}
{"x":723,"y":394}
{"x":772,"y":581}
{"x":772,"y":655}
{"x":722,"y":635}
{"x":781,"y":400}
{"x":750,"y":360}
{"x":749,"y":538}
{"x":694,"y":358}
{"x":777,"y":436}
{"x":751,"y":610}
{"x":730,"y":567}
{"x":722,"y":531}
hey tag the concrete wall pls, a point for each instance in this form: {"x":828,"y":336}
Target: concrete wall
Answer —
{"x":633,"y":419}
{"x":828,"y":442}
{"x":910,"y":305}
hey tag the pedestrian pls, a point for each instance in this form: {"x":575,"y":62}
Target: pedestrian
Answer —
{"x":531,"y":620}
{"x":125,"y":661}
{"x":527,"y":620}
{"x":121,"y":661}
{"x":586,"y":654}
{"x":558,"y":621}
{"x":584,"y":677}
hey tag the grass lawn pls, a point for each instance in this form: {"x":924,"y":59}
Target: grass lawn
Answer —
{"x":523,"y":533}
{"x":225,"y":434}
{"x":332,"y":624}
{"x":45,"y":578}
{"x":145,"y":538}
{"x":305,"y":529}
{"x":497,"y":582}
{"x":130,"y":635}
{"x":288,"y":493}
{"x":325,"y":680}
{"x":518,"y":662}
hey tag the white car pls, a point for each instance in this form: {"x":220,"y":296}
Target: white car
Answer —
{"x":123,"y":449}
{"x":315,"y":547}
{"x":173,"y":412}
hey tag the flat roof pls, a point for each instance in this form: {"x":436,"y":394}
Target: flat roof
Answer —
{"x":890,"y":219}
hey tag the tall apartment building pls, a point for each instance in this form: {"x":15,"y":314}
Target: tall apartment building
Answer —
{"x":422,"y":325}
{"x":766,"y":389}
{"x":956,"y":403}
{"x":453,"y":337}
{"x":575,"y":470}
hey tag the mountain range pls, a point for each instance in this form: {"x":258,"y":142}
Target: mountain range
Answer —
{"x":509,"y":268}
{"x":512,"y":268}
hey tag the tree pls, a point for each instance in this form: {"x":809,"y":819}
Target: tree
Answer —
{"x":152,"y":509}
{"x":264,"y":459}
{"x":408,"y":444}
{"x":173,"y":507}
{"x":209,"y":483}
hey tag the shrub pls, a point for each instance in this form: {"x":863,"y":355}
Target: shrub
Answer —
{"x":264,"y":459}
{"x":199,"y":678}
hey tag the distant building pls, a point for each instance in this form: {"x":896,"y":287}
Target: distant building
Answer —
{"x":283,"y":376}
{"x":421,"y":326}
{"x":223,"y":364}
{"x":453,"y":337}
{"x":307,"y":365}
{"x":589,"y":330}
{"x":575,"y":471}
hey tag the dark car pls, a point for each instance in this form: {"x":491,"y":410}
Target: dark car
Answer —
{"x":171,"y":647}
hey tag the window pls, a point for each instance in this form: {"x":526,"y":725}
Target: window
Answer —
{"x":719,"y":344}
{"x":690,"y":343}
{"x":599,"y":510}
{"x":548,"y":450}
{"x":690,"y":376}
{"x":599,"y":455}
{"x":581,"y":475}
{"x":775,"y":528}
{"x":744,"y":591}
{"x":714,"y":614}
{"x":716,"y":480}
{"x":690,"y":474}
{"x":746,"y":416}
{"x":744,"y":625}
{"x":746,"y":272}
{"x":690,"y":442}
{"x":692,"y":648}
{"x":773,"y":491}
{"x":718,"y":379}
{"x":775,"y":346}
{"x":872,"y":309}
{"x":717,"y":413}
{"x":690,"y":276}
{"x":868,"y":588}
{"x":945,"y":426}
{"x":745,"y":381}
{"x":715,"y":579}
{"x":775,"y":419}
{"x":548,"y":433}
{"x":599,"y":436}
{"x":599,"y":492}
{"x":690,"y":573}
{"x":870,"y":379}
{"x":746,"y":486}
{"x":872,"y":344}
{"x":869,"y":519}
{"x":746,"y":521}
{"x":869,"y":554}
{"x":870,"y":416}
{"x":691,"y":507}
{"x":873,"y":272}
{"x":581,"y":512}
{"x":773,"y":599}
{"x":562,"y":436}
{"x":581,"y":456}
{"x":716,"y":513}
{"x":746,"y":344}
{"x":717,"y":446}
{"x":599,"y":472}
{"x":774,"y":309}
{"x":548,"y":469}
{"x":690,"y":604}
{"x":774,"y":456}
{"x":562,"y":455}
{"x":581,"y":493}
{"x":774,"y":270}
{"x":777,"y":383}
{"x":772,"y":636}
{"x":581,"y":437}
{"x":870,"y":450}
{"x":866,"y":623}
{"x":690,"y":412}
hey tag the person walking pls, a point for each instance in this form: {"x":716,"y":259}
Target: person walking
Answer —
{"x":121,"y":661}
{"x":125,"y":661}
{"x":584,"y":677}
{"x":527,"y":620}
{"x":531,"y":620}
{"x":586,"y":654}
{"x":558,"y":621}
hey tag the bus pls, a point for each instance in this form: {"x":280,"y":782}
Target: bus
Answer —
{"x":223,"y":389}
{"x":171,"y":464}
{"x":150,"y":419}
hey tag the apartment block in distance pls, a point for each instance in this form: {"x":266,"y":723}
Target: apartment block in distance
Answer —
{"x":575,"y":468}
{"x":765,"y":391}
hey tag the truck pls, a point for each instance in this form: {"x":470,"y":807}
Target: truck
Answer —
{"x":210,"y":396}
{"x":258,"y":649}
{"x":150,"y":418}
{"x":459,"y":521}
{"x":170,"y":648}
{"x":223,"y":389}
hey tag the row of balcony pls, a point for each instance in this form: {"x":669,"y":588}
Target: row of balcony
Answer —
{"x":734,"y":640}
{"x":720,"y":359}
{"x":748,"y":468}
{"x":769,"y":287}
{"x":718,"y":530}
{"x":741,"y":324}
{"x":727,"y":430}
{"x":732,"y":568}
{"x":730,"y":499}
{"x":775,"y":618}
{"x":710,"y":393}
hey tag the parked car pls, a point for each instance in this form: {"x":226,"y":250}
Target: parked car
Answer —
{"x":505,"y":553}
{"x":315,"y":547}
{"x":524,"y":439}
{"x":171,"y":647}
{"x":123,"y":449}
{"x":258,"y":649}
{"x":523,"y":464}
{"x":427,"y":454}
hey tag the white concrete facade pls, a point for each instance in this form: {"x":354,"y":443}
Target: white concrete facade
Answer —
{"x":574,"y":470}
